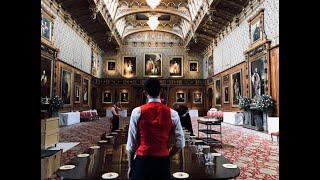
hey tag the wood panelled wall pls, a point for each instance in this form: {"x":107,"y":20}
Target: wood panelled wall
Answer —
{"x":244,"y":86}
{"x":77,"y":77}
{"x":274,"y":76}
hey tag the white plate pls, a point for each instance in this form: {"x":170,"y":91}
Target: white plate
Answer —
{"x":67,"y":167}
{"x":109,"y":136}
{"x":103,"y":141}
{"x":95,"y":147}
{"x":118,"y":130}
{"x":198,"y":141}
{"x":83,"y":155}
{"x":229,"y":166}
{"x":115,"y":133}
{"x":180,"y":175}
{"x":110,"y":175}
{"x":216,"y":154}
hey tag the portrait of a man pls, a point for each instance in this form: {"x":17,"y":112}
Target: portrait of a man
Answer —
{"x":226,"y":94}
{"x":153,"y":65}
{"x":236,"y":88}
{"x":124,"y":97}
{"x":257,"y":78}
{"x":129,"y":66}
{"x":218,"y":92}
{"x":66,"y":86}
{"x":111,"y":65}
{"x":107,"y":97}
{"x":45,"y":78}
{"x":46,"y":28}
{"x":77,"y":94}
{"x":176,"y":67}
{"x":193,"y":66}
{"x":180,"y":97}
{"x":85,"y":91}
{"x":197,"y":97}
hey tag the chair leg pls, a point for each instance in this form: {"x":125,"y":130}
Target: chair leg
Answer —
{"x":271,"y":138}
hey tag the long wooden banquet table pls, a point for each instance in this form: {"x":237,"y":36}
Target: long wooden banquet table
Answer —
{"x":109,"y":155}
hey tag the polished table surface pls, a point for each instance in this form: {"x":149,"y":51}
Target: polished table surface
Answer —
{"x":113,"y":158}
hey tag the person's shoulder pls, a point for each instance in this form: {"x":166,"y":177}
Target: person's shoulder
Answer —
{"x":136,"y":110}
{"x":173,"y":112}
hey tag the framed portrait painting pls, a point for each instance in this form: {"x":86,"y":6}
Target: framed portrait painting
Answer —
{"x":107,"y":97}
{"x":153,"y":65}
{"x":46,"y":28}
{"x":111,"y":65}
{"x":217,"y":92}
{"x":193,"y":66}
{"x":124,"y":97}
{"x":226,"y":95}
{"x":129,"y":66}
{"x":85,"y":90}
{"x":176,"y":66}
{"x":77,"y":93}
{"x":180,"y":97}
{"x":66,"y":86}
{"x":258,"y":77}
{"x":236,"y":84}
{"x":46,"y":78}
{"x":197,"y":97}
{"x":257,"y":27}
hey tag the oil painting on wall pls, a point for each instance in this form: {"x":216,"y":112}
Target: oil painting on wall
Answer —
{"x":66,"y":86}
{"x":46,"y":78}
{"x":153,"y":65}
{"x":218,"y":92}
{"x":129,"y":66}
{"x":236,"y":88}
{"x":85,"y":99}
{"x":176,"y":66}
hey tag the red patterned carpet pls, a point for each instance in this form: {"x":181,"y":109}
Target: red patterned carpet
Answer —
{"x":252,"y":151}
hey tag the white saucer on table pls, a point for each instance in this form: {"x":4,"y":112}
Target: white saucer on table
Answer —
{"x":67,"y":167}
{"x":102,"y":141}
{"x":216,"y":154}
{"x":95,"y":147}
{"x":83,"y":155}
{"x":180,"y":175}
{"x":230,"y":166}
{"x":110,"y":175}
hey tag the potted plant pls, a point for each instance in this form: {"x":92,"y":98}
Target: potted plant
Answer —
{"x":245,"y":104}
{"x":265,"y":103}
{"x":56,"y":103}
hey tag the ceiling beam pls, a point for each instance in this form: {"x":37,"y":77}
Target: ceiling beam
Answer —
{"x":233,"y":3}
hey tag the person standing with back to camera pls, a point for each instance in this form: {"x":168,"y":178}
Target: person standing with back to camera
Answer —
{"x":115,"y":115}
{"x":151,"y":126}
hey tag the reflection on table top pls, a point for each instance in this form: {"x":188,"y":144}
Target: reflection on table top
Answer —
{"x":113,"y":158}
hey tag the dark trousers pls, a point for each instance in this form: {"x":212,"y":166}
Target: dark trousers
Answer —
{"x":151,"y":168}
{"x":115,"y":123}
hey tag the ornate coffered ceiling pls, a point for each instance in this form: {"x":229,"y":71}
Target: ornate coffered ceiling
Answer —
{"x":195,"y":22}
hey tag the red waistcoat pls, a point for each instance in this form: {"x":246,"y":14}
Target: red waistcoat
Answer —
{"x":154,"y":129}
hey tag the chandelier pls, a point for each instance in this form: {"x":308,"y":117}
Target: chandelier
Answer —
{"x":153,"y":22}
{"x":153,"y":3}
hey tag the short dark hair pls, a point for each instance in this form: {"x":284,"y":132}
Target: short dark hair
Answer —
{"x":153,"y":87}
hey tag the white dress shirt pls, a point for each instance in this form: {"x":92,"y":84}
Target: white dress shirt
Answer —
{"x":133,"y":143}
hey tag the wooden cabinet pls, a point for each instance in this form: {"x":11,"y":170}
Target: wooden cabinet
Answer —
{"x":49,"y":132}
{"x":50,"y":162}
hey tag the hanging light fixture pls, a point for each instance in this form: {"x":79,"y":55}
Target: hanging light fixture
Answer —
{"x":153,"y":22}
{"x":153,"y":3}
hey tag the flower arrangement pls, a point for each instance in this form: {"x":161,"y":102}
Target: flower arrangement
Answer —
{"x":265,"y":103}
{"x":56,"y":103}
{"x":244,"y":103}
